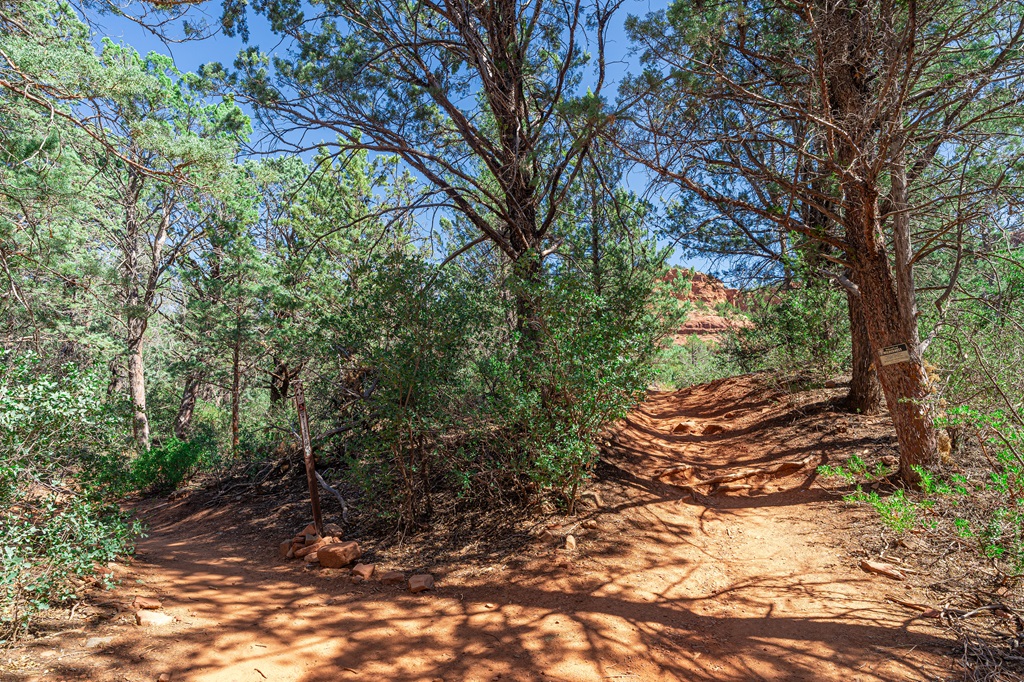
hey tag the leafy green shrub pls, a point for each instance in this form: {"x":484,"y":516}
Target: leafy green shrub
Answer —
{"x":592,"y":362}
{"x":804,"y":328}
{"x":62,"y":444}
{"x":447,"y":395}
{"x":692,"y":363}
{"x":165,"y":466}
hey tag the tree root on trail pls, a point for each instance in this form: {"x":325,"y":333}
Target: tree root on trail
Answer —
{"x":723,"y":483}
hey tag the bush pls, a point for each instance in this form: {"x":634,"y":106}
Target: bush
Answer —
{"x":801,"y":329}
{"x":63,"y":462}
{"x":692,"y":363}
{"x":443,"y":391}
{"x":164,"y":467}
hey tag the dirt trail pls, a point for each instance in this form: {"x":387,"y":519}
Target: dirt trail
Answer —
{"x":671,"y":585}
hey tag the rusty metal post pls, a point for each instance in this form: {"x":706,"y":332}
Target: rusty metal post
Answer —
{"x":307,"y":453}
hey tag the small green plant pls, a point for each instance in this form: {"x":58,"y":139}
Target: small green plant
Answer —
{"x":853,"y":468}
{"x":164,"y":467}
{"x":898,"y":512}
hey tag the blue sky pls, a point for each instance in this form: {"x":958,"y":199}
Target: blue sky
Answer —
{"x":190,"y":55}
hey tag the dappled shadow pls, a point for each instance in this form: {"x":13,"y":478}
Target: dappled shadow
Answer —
{"x":665,"y":584}
{"x":660,"y":616}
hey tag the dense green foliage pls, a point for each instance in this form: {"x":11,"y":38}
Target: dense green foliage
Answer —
{"x":62,"y":471}
{"x":164,"y":294}
{"x":459,"y":275}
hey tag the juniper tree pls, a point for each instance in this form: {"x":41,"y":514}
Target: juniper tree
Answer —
{"x":893,"y":121}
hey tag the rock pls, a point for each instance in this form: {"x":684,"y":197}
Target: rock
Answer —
{"x":309,"y":530}
{"x":392,"y":578}
{"x":421,"y":582}
{"x":831,"y":383}
{"x":164,"y":677}
{"x":334,"y":530}
{"x":339,"y":554}
{"x":310,"y":539}
{"x":570,"y":542}
{"x":881,"y":568}
{"x":546,"y":537}
{"x":683,"y":428}
{"x":364,"y":571}
{"x":146,"y":603}
{"x":590,"y":523}
{"x":312,"y":558}
{"x":712,"y":429}
{"x":890,"y":461}
{"x":94,"y":642}
{"x":314,"y":546}
{"x":153,"y":618}
{"x":284,"y":548}
{"x":290,"y":554}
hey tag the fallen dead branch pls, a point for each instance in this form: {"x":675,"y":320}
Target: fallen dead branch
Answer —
{"x":337,"y":495}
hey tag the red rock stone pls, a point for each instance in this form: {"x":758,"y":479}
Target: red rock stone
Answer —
{"x":312,"y":558}
{"x":421,"y":582}
{"x":284,"y":548}
{"x":393,"y":578}
{"x":146,"y":603}
{"x":570,"y":542}
{"x":309,"y":530}
{"x":364,"y":571}
{"x":339,"y":554}
{"x":323,"y":542}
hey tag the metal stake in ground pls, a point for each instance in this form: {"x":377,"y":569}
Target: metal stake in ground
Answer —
{"x":307,"y":453}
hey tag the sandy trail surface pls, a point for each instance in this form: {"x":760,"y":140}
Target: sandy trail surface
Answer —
{"x":668,"y":582}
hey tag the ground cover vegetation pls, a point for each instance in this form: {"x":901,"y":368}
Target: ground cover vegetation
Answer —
{"x":457,"y":272}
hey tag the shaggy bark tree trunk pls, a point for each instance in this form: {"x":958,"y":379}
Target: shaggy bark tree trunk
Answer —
{"x":137,"y":384}
{"x":187,"y":406}
{"x":135,"y":313}
{"x":280,"y":380}
{"x":236,"y":391}
{"x":891,"y":320}
{"x":865,"y":396}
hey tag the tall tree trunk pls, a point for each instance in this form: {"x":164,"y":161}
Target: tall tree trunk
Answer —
{"x":889,"y":323}
{"x":137,"y":383}
{"x":236,"y":391}
{"x":187,"y":406}
{"x":116,"y":384}
{"x":865,"y":396}
{"x":280,"y":380}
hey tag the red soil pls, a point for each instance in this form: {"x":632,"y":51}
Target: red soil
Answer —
{"x":670,"y":585}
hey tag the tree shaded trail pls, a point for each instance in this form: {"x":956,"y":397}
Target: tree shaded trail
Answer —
{"x":670,"y":585}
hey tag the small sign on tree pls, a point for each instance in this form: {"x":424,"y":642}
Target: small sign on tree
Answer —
{"x":895,"y":354}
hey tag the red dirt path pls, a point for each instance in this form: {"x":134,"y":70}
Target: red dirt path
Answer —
{"x":669,"y":586}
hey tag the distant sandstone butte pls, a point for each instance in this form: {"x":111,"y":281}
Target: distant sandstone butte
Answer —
{"x":703,"y":320}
